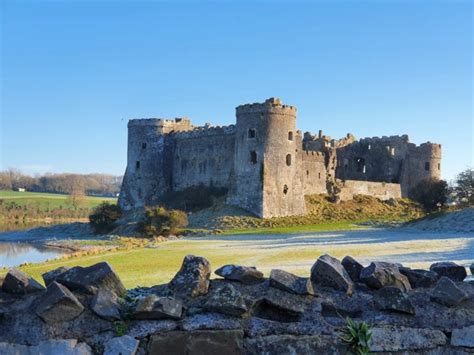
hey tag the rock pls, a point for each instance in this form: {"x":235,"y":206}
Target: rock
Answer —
{"x":402,"y":338}
{"x":228,"y":342}
{"x":124,"y":345}
{"x":226,"y":300}
{"x":210,"y":321}
{"x":463,"y":337}
{"x":291,"y":283}
{"x":328,"y":271}
{"x":449,"y":269}
{"x":393,"y":299}
{"x":420,"y":278}
{"x":381,"y":274}
{"x":51,"y":275}
{"x":353,"y":267}
{"x":90,"y":279}
{"x":246,"y":275}
{"x":292,"y":345}
{"x":143,"y":328}
{"x":279,"y":306}
{"x":18,"y":282}
{"x":472,"y":268}
{"x":48,"y":347}
{"x":447,"y":293}
{"x":192,"y":279}
{"x":58,"y":304}
{"x":154,"y":307}
{"x":105,"y":304}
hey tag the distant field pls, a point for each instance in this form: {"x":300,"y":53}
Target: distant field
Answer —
{"x":47,"y":201}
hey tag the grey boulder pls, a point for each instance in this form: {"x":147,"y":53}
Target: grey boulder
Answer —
{"x":58,"y":304}
{"x":124,"y":345}
{"x":353,"y":267}
{"x":463,"y":337}
{"x":393,"y":299}
{"x":382,"y":274}
{"x":419,"y":278}
{"x":154,"y":307}
{"x":18,"y":282}
{"x":226,"y":300}
{"x":106,"y":305}
{"x":245,"y":274}
{"x":291,"y":283}
{"x":447,"y":293}
{"x":192,"y":279}
{"x":449,"y":269}
{"x":90,"y":279}
{"x":51,"y":275}
{"x":328,"y":271}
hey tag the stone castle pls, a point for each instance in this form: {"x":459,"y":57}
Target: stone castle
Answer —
{"x":267,"y":165}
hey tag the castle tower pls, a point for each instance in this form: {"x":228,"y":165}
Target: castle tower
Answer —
{"x":148,"y":159}
{"x":268,"y":180}
{"x":421,"y":163}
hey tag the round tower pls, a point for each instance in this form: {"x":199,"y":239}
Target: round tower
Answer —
{"x":267,"y":160}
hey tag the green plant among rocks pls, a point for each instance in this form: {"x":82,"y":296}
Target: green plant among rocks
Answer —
{"x":160,"y":221}
{"x":357,"y":336}
{"x":104,"y":217}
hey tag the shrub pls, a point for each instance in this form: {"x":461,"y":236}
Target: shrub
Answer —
{"x":357,"y":336}
{"x":462,"y":191}
{"x":160,"y":221}
{"x":103,"y":218}
{"x":431,"y":193}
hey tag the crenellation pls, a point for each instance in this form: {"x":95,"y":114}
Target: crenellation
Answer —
{"x":266,"y":163}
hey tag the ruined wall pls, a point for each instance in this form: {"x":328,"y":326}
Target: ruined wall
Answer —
{"x":203,"y":156}
{"x":381,"y":190}
{"x":314,"y":172}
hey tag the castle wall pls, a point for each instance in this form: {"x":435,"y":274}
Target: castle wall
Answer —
{"x":203,"y":157}
{"x":314,"y":172}
{"x":381,"y":190}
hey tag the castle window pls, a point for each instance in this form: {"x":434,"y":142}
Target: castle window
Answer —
{"x":319,"y":176}
{"x":252,"y":133}
{"x":307,"y":172}
{"x":285,"y":189}
{"x":288,"y":159}
{"x":439,"y":166}
{"x":360,"y":165}
{"x":290,"y":135}
{"x":369,"y":147}
{"x":427,"y":166}
{"x":253,"y":157}
{"x":143,"y":145}
{"x":392,"y":151}
{"x":137,"y":165}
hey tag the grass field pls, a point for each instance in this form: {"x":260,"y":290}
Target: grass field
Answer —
{"x":47,"y":201}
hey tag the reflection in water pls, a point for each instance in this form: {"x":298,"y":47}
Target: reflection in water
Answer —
{"x":14,"y":254}
{"x":20,"y":225}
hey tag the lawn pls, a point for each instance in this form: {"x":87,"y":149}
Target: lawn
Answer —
{"x":48,"y":201}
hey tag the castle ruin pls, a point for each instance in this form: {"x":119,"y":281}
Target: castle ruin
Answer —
{"x":267,"y":165}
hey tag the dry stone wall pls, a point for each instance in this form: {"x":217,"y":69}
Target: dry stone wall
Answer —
{"x":86,"y":310}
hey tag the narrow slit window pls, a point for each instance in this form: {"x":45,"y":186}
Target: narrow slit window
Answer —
{"x":288,"y":159}
{"x":290,"y":135}
{"x":137,"y":165}
{"x":439,"y":166}
{"x":427,"y":166}
{"x":252,"y":133}
{"x":143,"y":145}
{"x":253,"y":157}
{"x":285,"y":189}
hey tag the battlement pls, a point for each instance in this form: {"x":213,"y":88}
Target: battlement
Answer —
{"x":205,"y":131}
{"x":272,"y":105}
{"x":160,"y":122}
{"x":386,"y":139}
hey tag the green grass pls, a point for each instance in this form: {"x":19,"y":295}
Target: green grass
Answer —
{"x":48,"y":201}
{"x":322,"y":227}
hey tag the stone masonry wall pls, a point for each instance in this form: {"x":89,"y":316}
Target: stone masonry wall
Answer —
{"x":314,"y":172}
{"x":381,"y":190}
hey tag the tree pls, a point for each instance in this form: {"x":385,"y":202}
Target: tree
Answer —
{"x":431,"y":193}
{"x":462,"y":190}
{"x":76,"y":199}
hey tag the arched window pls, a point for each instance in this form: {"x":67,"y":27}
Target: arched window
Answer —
{"x":290,"y":135}
{"x":285,"y":189}
{"x":288,"y":159}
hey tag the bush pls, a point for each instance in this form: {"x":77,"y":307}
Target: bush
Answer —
{"x":462,"y":191}
{"x":431,"y":193}
{"x":104,"y":216}
{"x":160,"y":221}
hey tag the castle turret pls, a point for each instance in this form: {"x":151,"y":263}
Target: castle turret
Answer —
{"x":146,"y":176}
{"x":267,"y":166}
{"x":422,"y":162}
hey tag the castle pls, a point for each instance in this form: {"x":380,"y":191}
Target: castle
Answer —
{"x":267,"y":165}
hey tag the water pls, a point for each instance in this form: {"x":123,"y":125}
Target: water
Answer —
{"x":16,"y":253}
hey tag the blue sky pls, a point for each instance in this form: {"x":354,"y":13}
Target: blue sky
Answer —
{"x":74,"y":72}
